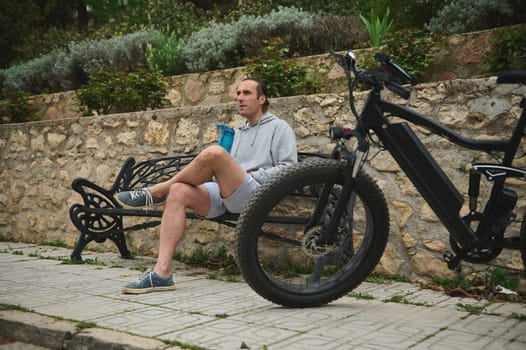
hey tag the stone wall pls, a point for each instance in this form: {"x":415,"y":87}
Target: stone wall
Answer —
{"x":39,"y":160}
{"x":460,"y":56}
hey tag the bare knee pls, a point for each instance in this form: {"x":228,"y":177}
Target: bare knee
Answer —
{"x":179,"y":194}
{"x":212,"y":154}
{"x":184,"y":196}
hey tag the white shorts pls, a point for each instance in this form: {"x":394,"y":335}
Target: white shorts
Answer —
{"x":233,"y":203}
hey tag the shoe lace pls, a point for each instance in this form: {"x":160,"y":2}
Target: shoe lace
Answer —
{"x":150,"y":276}
{"x":147,"y":275}
{"x":143,"y":193}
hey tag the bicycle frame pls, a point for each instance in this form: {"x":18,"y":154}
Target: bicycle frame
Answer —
{"x":347,"y":232}
{"x":427,"y":176}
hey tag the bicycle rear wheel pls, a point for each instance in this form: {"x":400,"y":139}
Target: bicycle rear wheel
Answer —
{"x":279,"y":251}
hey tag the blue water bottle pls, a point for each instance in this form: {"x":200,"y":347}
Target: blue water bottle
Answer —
{"x":226,"y":138}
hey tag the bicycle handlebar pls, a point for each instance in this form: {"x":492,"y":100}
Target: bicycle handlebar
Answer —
{"x":386,"y":77}
{"x":398,"y":89}
{"x":394,"y":68}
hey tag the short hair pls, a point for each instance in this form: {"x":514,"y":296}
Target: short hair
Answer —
{"x":261,"y":89}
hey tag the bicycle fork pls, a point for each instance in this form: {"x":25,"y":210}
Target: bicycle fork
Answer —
{"x":354,"y":163}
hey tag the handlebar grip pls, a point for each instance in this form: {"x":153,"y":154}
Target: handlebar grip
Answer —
{"x":398,"y":89}
{"x":338,"y":132}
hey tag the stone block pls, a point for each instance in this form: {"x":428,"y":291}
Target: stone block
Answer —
{"x":35,"y":329}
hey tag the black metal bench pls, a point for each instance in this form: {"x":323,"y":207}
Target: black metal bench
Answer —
{"x":99,"y":217}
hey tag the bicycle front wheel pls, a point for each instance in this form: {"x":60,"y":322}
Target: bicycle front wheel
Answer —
{"x":279,"y":249}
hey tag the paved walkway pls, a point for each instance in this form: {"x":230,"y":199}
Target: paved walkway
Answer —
{"x":81,"y":307}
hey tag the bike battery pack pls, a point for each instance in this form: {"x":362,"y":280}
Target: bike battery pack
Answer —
{"x":422,"y":169}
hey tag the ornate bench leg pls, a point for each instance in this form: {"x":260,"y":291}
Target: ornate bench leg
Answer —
{"x":98,"y":228}
{"x":119,"y":239}
{"x":82,"y":242}
{"x":85,"y":238}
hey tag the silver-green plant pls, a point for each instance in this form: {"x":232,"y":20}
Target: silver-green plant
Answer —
{"x":214,"y":47}
{"x":67,"y":68}
{"x":33,"y":76}
{"x":121,"y":51}
{"x":462,"y":16}
{"x":377,"y":27}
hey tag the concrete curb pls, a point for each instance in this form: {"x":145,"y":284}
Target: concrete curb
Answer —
{"x":51,"y":333}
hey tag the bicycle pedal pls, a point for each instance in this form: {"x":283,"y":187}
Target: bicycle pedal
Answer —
{"x":452,"y":260}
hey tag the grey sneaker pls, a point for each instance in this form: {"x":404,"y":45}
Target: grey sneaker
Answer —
{"x":149,"y":282}
{"x":139,"y":198}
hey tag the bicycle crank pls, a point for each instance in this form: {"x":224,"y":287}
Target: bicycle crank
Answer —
{"x":476,"y":255}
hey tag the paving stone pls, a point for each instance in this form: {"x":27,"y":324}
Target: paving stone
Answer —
{"x":214,"y":314}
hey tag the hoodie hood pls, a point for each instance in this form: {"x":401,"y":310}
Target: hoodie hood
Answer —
{"x":267,"y":117}
{"x":246,"y":128}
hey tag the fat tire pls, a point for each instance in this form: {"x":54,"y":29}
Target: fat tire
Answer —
{"x":252,"y":219}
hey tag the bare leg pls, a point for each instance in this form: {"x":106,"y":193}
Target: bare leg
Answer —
{"x":213,"y":161}
{"x":173,"y":222}
{"x":185,"y":190}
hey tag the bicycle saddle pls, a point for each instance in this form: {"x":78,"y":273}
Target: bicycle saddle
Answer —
{"x":512,"y":77}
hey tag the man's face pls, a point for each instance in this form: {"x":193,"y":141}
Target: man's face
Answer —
{"x":249,"y":105}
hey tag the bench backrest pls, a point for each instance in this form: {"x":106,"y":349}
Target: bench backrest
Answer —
{"x":150,"y":172}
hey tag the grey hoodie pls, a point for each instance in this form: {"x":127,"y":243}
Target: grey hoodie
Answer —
{"x":266,"y":147}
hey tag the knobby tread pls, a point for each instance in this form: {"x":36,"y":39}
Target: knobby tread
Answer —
{"x":253,"y":215}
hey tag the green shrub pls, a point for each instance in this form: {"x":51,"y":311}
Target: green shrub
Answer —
{"x":125,"y":52}
{"x":406,"y":14}
{"x":39,"y":43}
{"x":216,"y":46}
{"x":225,"y":45}
{"x":335,"y":33}
{"x":180,"y":18}
{"x":281,"y":76}
{"x":211,"y":48}
{"x":509,"y":50}
{"x":15,"y":107}
{"x":468,"y":15}
{"x":68,"y":68}
{"x":34,"y":76}
{"x":411,"y":49}
{"x":329,"y":7}
{"x":402,"y":11}
{"x":164,"y":54}
{"x":115,"y":91}
{"x":324,"y":34}
{"x":251,"y":8}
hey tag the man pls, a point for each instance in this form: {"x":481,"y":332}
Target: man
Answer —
{"x":262,"y":146}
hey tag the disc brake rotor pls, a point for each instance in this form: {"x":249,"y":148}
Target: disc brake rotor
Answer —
{"x":312,"y":244}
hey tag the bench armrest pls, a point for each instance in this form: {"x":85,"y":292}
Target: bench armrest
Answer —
{"x":153,"y":171}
